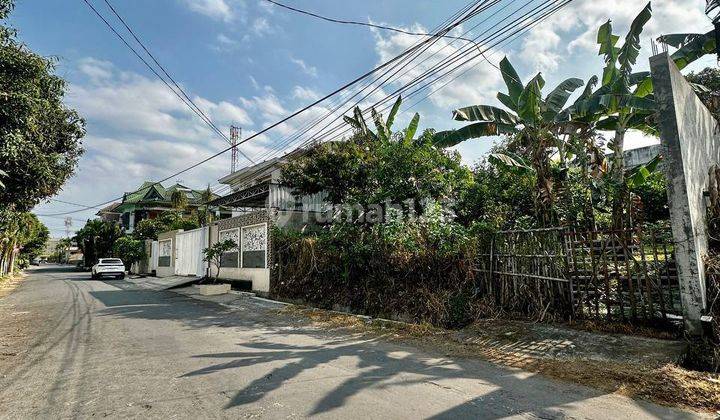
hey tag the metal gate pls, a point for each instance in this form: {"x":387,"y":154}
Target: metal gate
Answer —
{"x":189,"y":252}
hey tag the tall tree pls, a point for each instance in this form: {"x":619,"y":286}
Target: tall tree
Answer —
{"x":39,"y":136}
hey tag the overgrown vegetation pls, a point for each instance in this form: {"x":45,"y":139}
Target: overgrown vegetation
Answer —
{"x":406,"y":220}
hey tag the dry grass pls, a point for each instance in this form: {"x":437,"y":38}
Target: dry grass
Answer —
{"x":620,"y":328}
{"x":9,"y":283}
{"x":668,"y":385}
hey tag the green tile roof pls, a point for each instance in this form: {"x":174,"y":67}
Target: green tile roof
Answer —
{"x":152,"y":193}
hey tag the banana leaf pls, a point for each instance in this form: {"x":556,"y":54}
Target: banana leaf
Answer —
{"x":472,"y":131}
{"x":393,"y":113}
{"x":512,"y":81}
{"x":529,"y":104}
{"x":638,"y":176}
{"x":631,"y":48}
{"x":484,"y":113}
{"x":511,"y":162}
{"x":412,"y":128}
{"x":556,"y":100}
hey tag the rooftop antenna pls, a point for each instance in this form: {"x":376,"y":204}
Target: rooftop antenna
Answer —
{"x":235,"y":133}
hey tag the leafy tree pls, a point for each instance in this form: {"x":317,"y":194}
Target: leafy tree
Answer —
{"x":204,"y":214}
{"x":179,"y":200}
{"x":369,"y":171}
{"x":499,"y":198}
{"x":96,"y":240}
{"x":34,"y":246}
{"x":532,"y":123}
{"x":169,"y":220}
{"x":213,"y":254}
{"x":653,"y":198}
{"x":709,"y":94}
{"x":19,"y":229}
{"x":129,"y":250}
{"x":39,"y":136}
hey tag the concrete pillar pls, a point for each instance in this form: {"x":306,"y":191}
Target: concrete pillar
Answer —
{"x":690,"y":142}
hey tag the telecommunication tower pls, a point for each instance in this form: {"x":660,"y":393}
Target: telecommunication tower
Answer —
{"x":235,"y":133}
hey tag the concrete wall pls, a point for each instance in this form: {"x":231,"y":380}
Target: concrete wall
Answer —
{"x":168,"y":271}
{"x":691,"y":144}
{"x":260,"y":277}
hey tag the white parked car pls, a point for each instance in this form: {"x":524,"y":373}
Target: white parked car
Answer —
{"x":109,"y":267}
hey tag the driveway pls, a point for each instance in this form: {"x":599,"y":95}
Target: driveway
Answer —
{"x":74,"y":347}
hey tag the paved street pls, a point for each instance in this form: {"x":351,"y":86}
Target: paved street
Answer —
{"x":86,"y":348}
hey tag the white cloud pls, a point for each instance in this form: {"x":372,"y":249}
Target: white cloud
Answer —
{"x":574,"y":28}
{"x":97,"y":70}
{"x":476,"y":82}
{"x":305,"y":94}
{"x":306,"y":68}
{"x":261,"y":26}
{"x":215,"y":9}
{"x":138,"y":128}
{"x":268,"y":105}
{"x":225,"y":43}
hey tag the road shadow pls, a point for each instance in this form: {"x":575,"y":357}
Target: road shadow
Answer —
{"x":378,"y":366}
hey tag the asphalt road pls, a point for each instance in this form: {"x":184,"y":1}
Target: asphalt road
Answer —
{"x":74,"y":347}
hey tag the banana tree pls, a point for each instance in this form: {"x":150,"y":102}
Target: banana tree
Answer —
{"x":690,"y":47}
{"x":532,"y":123}
{"x":624,"y":100}
{"x":383,"y":127}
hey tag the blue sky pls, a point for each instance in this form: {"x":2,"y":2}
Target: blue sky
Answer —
{"x":251,"y":63}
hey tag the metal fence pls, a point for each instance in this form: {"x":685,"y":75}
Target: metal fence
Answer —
{"x":625,"y":276}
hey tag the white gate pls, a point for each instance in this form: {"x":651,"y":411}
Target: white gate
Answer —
{"x":188,"y":252}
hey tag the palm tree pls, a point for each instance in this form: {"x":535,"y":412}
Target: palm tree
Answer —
{"x":179,"y":200}
{"x":204,"y":214}
{"x":383,"y":127}
{"x":532,"y":122}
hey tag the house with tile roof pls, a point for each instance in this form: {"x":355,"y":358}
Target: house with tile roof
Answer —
{"x":152,"y":199}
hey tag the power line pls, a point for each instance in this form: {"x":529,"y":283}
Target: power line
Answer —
{"x":184,"y":98}
{"x":277,"y":123}
{"x":453,"y":58}
{"x":289,"y":140}
{"x":544,"y":12}
{"x":353,"y":22}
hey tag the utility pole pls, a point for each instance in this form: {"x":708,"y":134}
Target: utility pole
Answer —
{"x":235,"y":133}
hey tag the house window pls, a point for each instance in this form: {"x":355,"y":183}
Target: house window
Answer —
{"x":230,"y":258}
{"x":254,"y":246}
{"x":165,"y":254}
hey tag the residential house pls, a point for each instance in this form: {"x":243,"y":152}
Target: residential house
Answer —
{"x":260,"y":202}
{"x":109,"y":213}
{"x":152,"y":199}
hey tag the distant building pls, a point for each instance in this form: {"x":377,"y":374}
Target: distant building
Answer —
{"x":152,"y":199}
{"x":639,"y":156}
{"x":259,"y":187}
{"x":110,"y":213}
